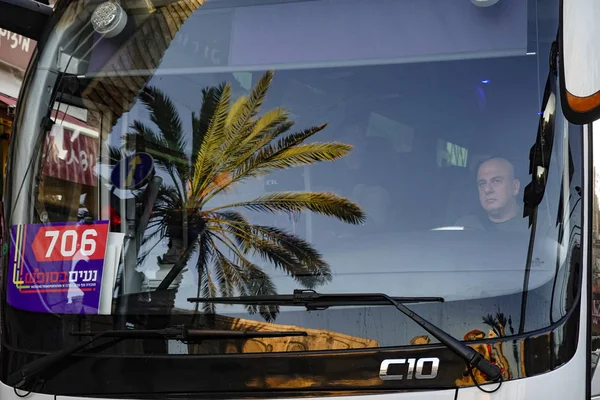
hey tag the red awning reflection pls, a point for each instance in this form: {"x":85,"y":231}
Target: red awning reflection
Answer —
{"x":9,"y":101}
{"x":57,"y":116}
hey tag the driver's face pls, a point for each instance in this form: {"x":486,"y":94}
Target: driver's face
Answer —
{"x":497,"y":186}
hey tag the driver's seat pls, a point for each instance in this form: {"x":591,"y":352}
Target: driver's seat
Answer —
{"x":462,"y":201}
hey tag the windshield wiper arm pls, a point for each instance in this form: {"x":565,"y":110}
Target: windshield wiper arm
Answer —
{"x":310,"y":298}
{"x":35,"y":367}
{"x":187,"y":334}
{"x":315,"y":301}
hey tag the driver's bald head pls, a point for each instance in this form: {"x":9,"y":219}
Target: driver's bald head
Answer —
{"x":498,"y":163}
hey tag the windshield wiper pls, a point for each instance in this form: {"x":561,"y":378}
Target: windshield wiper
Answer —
{"x":35,"y":367}
{"x":311,"y":300}
{"x":186,"y":334}
{"x":315,"y":301}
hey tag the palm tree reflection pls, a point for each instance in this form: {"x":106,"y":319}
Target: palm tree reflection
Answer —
{"x":231,"y":144}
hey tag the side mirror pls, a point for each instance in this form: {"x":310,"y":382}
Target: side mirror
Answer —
{"x":579,"y":53}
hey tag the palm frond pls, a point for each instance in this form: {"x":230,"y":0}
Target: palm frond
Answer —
{"x":297,"y":156}
{"x":253,"y":282}
{"x":236,"y":223}
{"x":317,"y":271}
{"x":209,"y":289}
{"x":259,"y":134}
{"x":230,"y":276}
{"x":492,"y":322}
{"x":501,"y":318}
{"x":142,"y":137}
{"x":234,"y":113}
{"x":165,"y":116}
{"x":285,"y":251}
{"x":205,"y":252}
{"x":270,"y":152}
{"x":212,"y":140}
{"x":169,"y":195}
{"x":114,"y":154}
{"x":201,"y":122}
{"x":294,"y":139}
{"x":157,"y":235}
{"x":224,"y":270}
{"x":282,"y":259}
{"x":328,"y":204}
{"x":262,"y":162}
{"x":260,"y":284}
{"x":243,"y":134}
{"x":164,"y":156}
{"x":248,"y":109}
{"x":313,"y":153}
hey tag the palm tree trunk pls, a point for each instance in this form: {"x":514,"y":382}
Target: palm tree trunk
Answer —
{"x":179,"y":265}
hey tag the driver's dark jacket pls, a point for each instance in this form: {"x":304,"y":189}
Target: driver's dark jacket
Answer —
{"x":480,"y":221}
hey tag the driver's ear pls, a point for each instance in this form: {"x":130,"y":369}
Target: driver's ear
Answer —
{"x":516,"y":186}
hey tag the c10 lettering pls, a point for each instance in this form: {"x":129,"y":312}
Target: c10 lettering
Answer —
{"x":69,"y":242}
{"x":415,"y":368}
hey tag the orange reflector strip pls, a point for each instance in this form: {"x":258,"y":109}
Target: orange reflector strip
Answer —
{"x":583,"y":104}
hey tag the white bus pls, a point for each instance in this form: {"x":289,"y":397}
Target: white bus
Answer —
{"x":226,"y":199}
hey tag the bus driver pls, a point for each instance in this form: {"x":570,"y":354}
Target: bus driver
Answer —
{"x":498,"y":189}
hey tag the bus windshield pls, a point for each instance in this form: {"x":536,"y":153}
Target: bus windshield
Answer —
{"x":191,"y":149}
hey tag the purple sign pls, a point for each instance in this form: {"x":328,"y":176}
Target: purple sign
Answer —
{"x":57,"y":268}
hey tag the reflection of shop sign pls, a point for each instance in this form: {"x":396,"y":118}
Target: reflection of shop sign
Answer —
{"x":210,"y":53}
{"x":58,"y":267}
{"x":15,"y":49}
{"x":203,"y":41}
{"x":133,"y":171}
{"x":72,"y":156}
